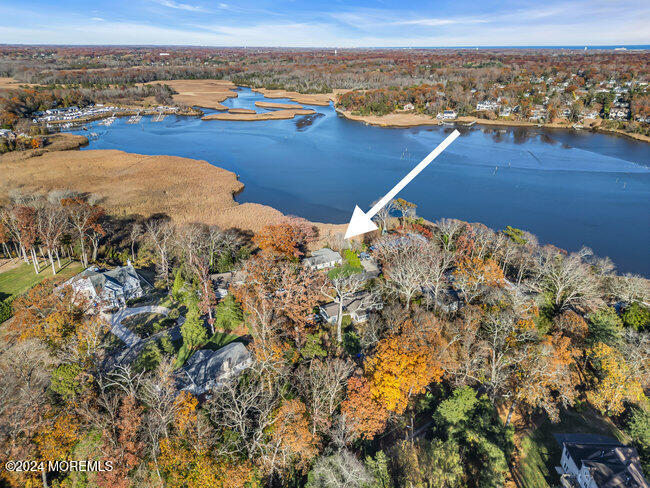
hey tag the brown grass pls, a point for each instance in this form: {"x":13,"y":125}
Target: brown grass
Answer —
{"x":307,"y":99}
{"x":7,"y":83}
{"x":188,"y":190}
{"x":55,"y":142}
{"x":276,"y":115}
{"x":202,"y":93}
{"x":392,"y":120}
{"x":277,"y":105}
{"x":241,"y":111}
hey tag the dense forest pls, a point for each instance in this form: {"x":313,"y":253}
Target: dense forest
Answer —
{"x":481,"y":336}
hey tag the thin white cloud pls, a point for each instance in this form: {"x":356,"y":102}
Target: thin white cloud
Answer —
{"x":439,"y":22}
{"x":181,"y":6}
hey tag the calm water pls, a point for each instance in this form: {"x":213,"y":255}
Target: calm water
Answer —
{"x":569,"y":188}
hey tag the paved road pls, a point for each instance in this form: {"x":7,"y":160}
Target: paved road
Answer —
{"x":135,"y":344}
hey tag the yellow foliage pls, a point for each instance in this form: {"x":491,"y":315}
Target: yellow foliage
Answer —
{"x":403,"y":365}
{"x":616,"y":383}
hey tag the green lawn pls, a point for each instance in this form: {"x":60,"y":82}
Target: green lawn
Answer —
{"x":20,"y":279}
{"x":540,"y":453}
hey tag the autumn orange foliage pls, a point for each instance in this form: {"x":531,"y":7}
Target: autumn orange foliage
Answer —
{"x":183,"y":467}
{"x":403,"y":365}
{"x":291,"y":431}
{"x":286,"y":238}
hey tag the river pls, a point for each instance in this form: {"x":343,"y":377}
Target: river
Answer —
{"x":570,"y":188}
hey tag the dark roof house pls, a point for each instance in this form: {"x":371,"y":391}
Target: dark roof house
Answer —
{"x":207,"y":369}
{"x":107,"y":289}
{"x":593,"y":461}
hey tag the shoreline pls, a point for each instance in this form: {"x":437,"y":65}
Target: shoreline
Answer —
{"x":319,"y":99}
{"x":405,"y":120}
{"x":188,"y":190}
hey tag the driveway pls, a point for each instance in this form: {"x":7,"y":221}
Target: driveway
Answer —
{"x":134,"y":343}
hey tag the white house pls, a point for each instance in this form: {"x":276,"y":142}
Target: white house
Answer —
{"x":447,"y":115}
{"x":619,"y":113}
{"x":107,"y":289}
{"x":486,"y":105}
{"x":323,"y":258}
{"x":505,"y":112}
{"x":594,"y":461}
{"x":409,"y":106}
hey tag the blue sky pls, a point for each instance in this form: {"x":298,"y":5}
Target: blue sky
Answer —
{"x":326,"y":23}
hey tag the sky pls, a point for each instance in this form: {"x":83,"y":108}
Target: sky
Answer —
{"x":326,"y":23}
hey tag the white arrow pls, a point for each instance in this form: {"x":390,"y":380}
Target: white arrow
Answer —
{"x":361,"y":222}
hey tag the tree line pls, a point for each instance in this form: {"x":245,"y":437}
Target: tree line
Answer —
{"x":421,"y":394}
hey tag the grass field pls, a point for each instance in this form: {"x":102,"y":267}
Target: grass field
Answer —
{"x":20,"y":279}
{"x":540,"y":452}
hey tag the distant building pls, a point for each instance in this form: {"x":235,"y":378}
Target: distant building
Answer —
{"x":619,"y":114}
{"x":206,"y":369}
{"x":447,"y":115}
{"x":486,"y":105}
{"x":107,"y":289}
{"x":409,"y":106}
{"x":505,"y":112}
{"x":594,"y":461}
{"x":323,"y":258}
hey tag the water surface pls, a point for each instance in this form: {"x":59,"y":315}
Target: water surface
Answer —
{"x":569,"y":188}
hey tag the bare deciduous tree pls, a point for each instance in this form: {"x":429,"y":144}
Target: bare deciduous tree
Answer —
{"x":160,"y":233}
{"x":340,"y":290}
{"x":567,"y":280}
{"x":324,"y":387}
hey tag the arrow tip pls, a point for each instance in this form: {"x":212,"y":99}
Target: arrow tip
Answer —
{"x":359,"y":224}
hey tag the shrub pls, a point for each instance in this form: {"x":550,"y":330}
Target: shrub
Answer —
{"x":6,"y":310}
{"x":635,"y":316}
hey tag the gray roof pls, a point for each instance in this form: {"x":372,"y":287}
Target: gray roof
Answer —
{"x":203,"y":370}
{"x":359,"y":302}
{"x":224,"y":280}
{"x":610,"y":463}
{"x":322,"y":256}
{"x":114,"y":278}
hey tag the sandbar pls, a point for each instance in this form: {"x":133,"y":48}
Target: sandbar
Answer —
{"x":277,"y":105}
{"x":275,"y":115}
{"x":241,"y":111}
{"x":322,"y":99}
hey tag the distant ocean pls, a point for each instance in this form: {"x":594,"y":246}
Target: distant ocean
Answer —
{"x":628,"y":47}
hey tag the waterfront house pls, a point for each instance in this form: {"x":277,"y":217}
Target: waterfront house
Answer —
{"x":107,"y":289}
{"x":594,"y":461}
{"x":447,"y":115}
{"x":505,"y":112}
{"x":322,"y":259}
{"x":409,"y":106}
{"x":206,"y":369}
{"x":619,"y":114}
{"x":486,"y":105}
